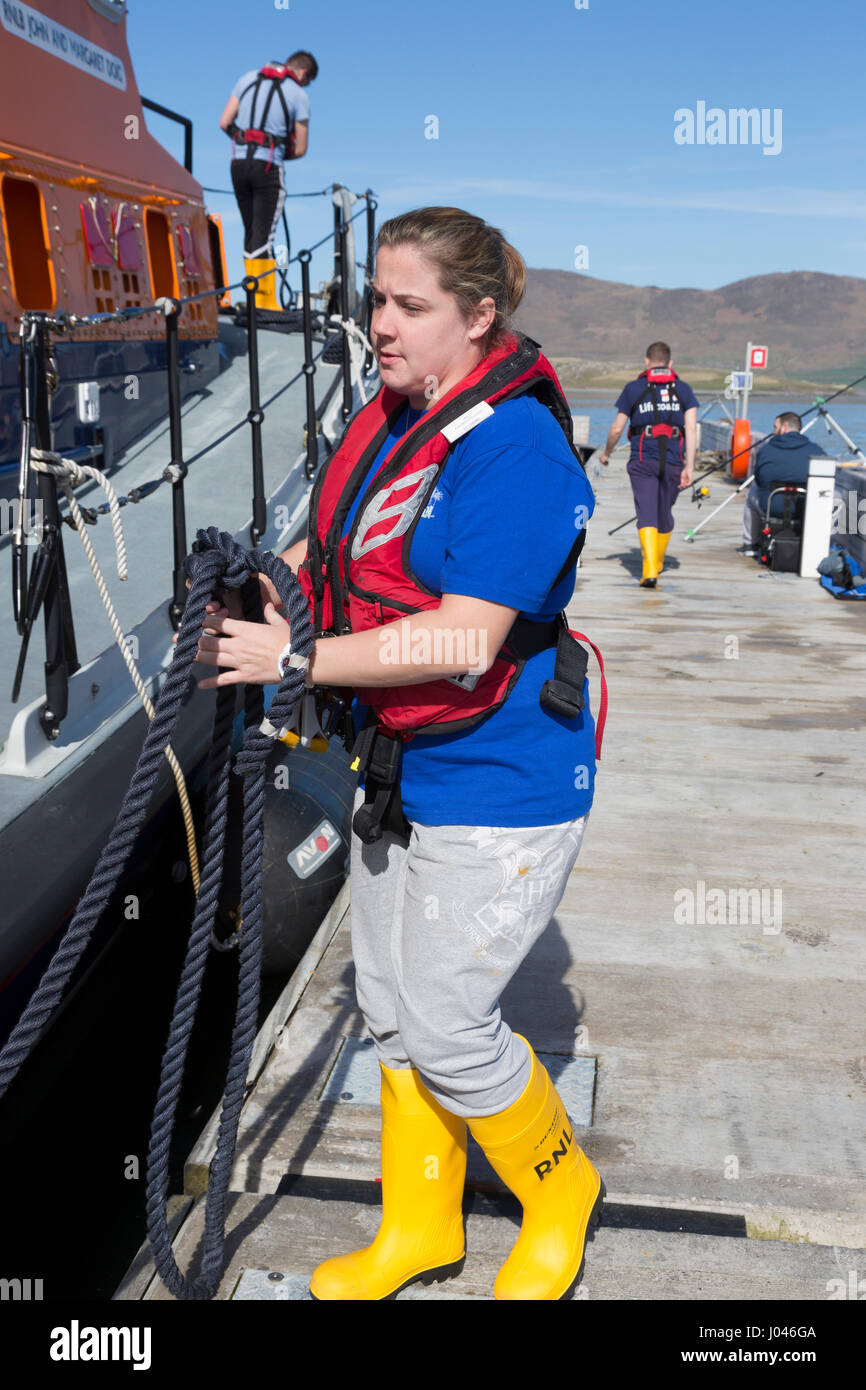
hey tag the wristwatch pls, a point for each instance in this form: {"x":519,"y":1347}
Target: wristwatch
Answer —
{"x":288,"y":658}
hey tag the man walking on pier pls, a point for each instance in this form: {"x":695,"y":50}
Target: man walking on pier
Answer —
{"x":661,"y":412}
{"x":268,"y":118}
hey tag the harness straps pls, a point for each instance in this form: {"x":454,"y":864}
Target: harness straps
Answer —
{"x":256,"y":134}
{"x":658,"y":430}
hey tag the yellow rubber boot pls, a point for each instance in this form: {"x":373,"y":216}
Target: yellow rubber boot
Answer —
{"x":649,"y":550}
{"x":531,"y":1146}
{"x":423,"y":1171}
{"x":266,"y":292}
{"x":661,"y":547}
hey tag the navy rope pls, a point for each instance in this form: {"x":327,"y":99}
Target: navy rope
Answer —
{"x":217,"y":563}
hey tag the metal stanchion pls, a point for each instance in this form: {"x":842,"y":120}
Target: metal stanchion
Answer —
{"x":255,"y":415}
{"x":176,"y":465}
{"x":61,"y":657}
{"x":309,"y":369}
{"x":346,"y":408}
{"x":368,"y":288}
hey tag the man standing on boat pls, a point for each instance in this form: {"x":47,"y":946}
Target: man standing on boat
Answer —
{"x":661,"y":411}
{"x":268,"y":118}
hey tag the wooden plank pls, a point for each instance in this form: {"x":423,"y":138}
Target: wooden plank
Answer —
{"x":292,"y":1235}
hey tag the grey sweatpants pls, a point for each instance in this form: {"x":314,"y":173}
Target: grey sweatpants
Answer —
{"x":438,"y":930}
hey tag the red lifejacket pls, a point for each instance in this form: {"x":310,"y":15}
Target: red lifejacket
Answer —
{"x":365,"y":580}
{"x":657,"y":376}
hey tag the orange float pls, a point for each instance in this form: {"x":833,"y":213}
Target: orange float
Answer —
{"x":741,"y":441}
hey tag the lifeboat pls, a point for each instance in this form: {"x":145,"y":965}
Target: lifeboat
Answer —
{"x":103,"y":234}
{"x":95,"y":218}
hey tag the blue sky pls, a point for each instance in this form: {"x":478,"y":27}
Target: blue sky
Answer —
{"x":555,"y":123}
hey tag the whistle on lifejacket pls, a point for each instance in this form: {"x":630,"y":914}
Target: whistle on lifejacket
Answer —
{"x":307,"y":729}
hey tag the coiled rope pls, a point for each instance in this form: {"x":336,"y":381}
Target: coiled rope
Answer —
{"x":217,"y":563}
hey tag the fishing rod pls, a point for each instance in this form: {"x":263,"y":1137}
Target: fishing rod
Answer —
{"x":820,"y":402}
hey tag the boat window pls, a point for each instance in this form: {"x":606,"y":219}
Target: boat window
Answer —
{"x":128,"y":257}
{"x":26,"y":232}
{"x":97,"y":233}
{"x":188,"y":262}
{"x":162,"y":272}
{"x":188,"y":253}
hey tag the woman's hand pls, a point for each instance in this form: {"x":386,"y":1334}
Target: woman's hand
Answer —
{"x":231,"y":599}
{"x":247,"y":651}
{"x":233,"y":604}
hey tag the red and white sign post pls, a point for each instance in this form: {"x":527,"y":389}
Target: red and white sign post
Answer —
{"x":756,"y":356}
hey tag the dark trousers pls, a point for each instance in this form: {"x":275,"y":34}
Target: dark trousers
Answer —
{"x":260,"y":192}
{"x":654,"y":496}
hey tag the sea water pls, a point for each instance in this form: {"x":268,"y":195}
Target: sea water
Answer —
{"x":851,"y":414}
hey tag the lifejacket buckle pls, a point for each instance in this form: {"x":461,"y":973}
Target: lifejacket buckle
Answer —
{"x":559,"y":698}
{"x":564,"y":694}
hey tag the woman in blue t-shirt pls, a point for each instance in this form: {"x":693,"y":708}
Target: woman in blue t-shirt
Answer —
{"x":497,"y":810}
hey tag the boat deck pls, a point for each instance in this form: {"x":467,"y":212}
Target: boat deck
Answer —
{"x":217,"y":492}
{"x":710,"y":1047}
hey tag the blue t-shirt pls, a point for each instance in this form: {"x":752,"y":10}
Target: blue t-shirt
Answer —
{"x":296,"y":100}
{"x":499,"y":524}
{"x":670,"y":412}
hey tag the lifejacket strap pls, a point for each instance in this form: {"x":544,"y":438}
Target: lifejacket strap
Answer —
{"x":602,"y":709}
{"x":564,"y":694}
{"x":380,"y":757}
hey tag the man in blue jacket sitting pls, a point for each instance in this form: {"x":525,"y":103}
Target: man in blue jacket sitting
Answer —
{"x":783,"y":459}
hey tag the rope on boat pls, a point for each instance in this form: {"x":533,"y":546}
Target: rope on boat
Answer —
{"x":359,"y":344}
{"x":217,"y":563}
{"x":67,"y":472}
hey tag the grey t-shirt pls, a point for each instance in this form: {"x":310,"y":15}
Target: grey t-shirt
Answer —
{"x":296,"y":100}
